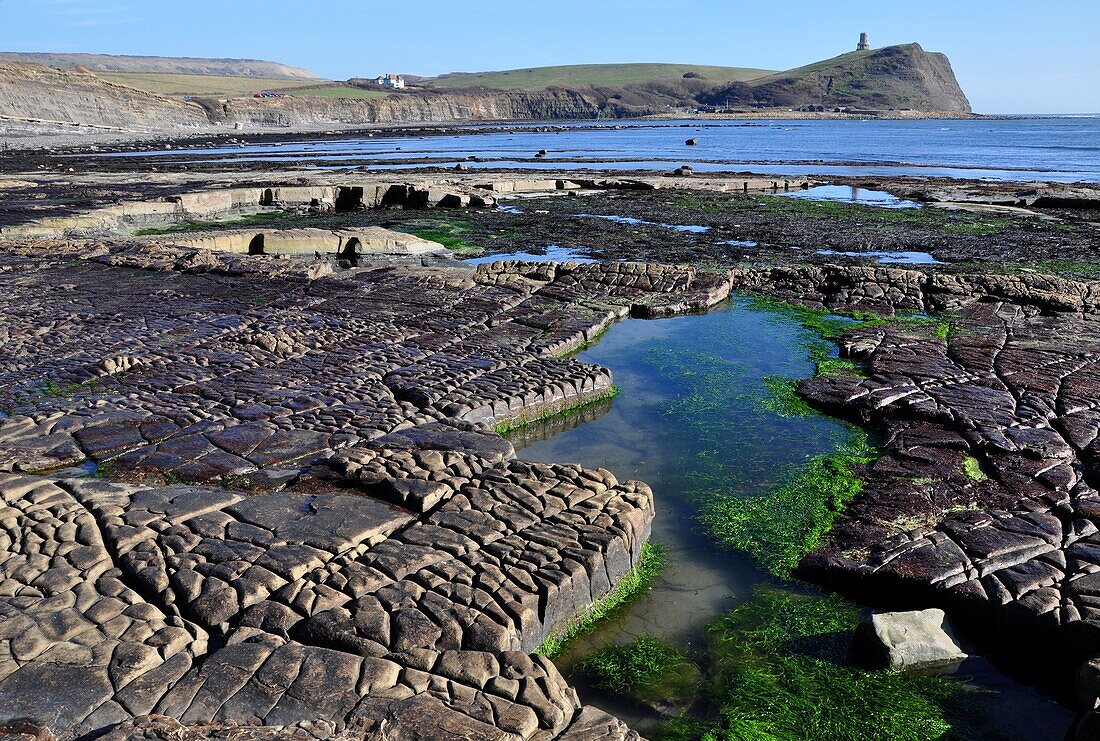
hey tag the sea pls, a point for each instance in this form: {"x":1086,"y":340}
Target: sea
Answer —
{"x":1047,"y":148}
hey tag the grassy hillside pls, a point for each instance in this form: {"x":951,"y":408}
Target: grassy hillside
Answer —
{"x":592,"y":75}
{"x":338,"y":90}
{"x":900,"y":76}
{"x":163,"y":65}
{"x":219,"y":86}
{"x":813,"y":68}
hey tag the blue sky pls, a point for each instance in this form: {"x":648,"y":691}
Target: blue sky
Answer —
{"x":1009,"y":55}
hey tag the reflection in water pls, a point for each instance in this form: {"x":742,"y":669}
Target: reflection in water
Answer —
{"x":689,"y":422}
{"x":852,"y":194}
{"x":545,"y":429}
{"x":632,"y":221}
{"x":895,"y":258}
{"x":550,"y":253}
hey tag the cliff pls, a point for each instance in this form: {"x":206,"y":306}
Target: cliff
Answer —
{"x":427,"y":107}
{"x":32,"y":92}
{"x":904,"y":76}
{"x":895,"y":77}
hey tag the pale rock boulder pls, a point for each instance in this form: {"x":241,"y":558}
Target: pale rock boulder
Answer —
{"x":908,"y":641}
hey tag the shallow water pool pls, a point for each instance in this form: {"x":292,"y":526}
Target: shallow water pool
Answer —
{"x":691,"y":420}
{"x":550,"y":253}
{"x":889,"y":258}
{"x":851,"y":194}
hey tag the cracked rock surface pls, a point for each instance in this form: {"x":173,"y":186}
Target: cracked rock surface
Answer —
{"x":303,"y":525}
{"x":985,"y":499}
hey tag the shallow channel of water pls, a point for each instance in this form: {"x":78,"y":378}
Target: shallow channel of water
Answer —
{"x":550,"y":253}
{"x":850,"y":194}
{"x":689,"y":422}
{"x":889,"y":258}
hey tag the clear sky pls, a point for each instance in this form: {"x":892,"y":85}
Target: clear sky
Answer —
{"x":1009,"y":55}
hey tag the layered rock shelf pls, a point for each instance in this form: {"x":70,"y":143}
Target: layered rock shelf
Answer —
{"x":243,"y":495}
{"x":986,"y":498}
{"x":302,"y":518}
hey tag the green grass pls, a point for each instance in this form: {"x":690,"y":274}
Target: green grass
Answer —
{"x":648,"y":669}
{"x":186,"y":227}
{"x":180,"y":85}
{"x":593,"y":75}
{"x":508,"y":427}
{"x":339,"y":91}
{"x":630,"y":587}
{"x":780,"y":527}
{"x":776,"y":668}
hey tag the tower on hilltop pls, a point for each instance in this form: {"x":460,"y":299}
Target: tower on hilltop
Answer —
{"x":864,"y":42}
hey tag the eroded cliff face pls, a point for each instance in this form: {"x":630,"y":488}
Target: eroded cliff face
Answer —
{"x":29,"y":92}
{"x":481,"y":105}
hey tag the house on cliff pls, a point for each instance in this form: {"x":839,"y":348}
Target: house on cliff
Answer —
{"x":397,"y":82}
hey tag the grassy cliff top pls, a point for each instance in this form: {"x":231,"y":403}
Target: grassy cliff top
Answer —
{"x":593,"y":75}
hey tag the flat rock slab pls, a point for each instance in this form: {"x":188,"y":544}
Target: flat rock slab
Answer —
{"x":909,"y":641}
{"x":330,"y":522}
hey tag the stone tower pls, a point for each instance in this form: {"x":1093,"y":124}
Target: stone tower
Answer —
{"x":864,"y":42}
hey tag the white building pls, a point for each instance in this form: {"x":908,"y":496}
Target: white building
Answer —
{"x":395,"y":81}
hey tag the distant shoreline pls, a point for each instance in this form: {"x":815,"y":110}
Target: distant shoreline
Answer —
{"x":28,"y":137}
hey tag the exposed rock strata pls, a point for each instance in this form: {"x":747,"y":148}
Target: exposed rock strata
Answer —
{"x":29,"y":92}
{"x":372,"y":561}
{"x":986,"y":498}
{"x":484,"y":105}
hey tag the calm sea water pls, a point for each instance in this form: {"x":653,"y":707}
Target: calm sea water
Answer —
{"x":1062,"y":149}
{"x":690,"y":422}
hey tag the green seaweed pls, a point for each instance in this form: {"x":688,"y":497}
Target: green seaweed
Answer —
{"x":509,"y":426}
{"x":648,"y":669}
{"x":451,"y":233}
{"x":105,"y":470}
{"x":630,"y":587}
{"x":780,"y":527}
{"x":185,"y":227}
{"x":840,"y":367}
{"x":456,"y":244}
{"x":831,"y":324}
{"x":783,"y":398}
{"x":777,"y":668}
{"x":972,"y":469}
{"x":586,"y":344}
{"x":55,"y":390}
{"x":977,"y":228}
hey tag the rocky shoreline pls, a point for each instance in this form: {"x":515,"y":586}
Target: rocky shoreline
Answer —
{"x":300,"y":522}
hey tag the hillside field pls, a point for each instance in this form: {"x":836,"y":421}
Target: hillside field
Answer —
{"x":593,"y":75}
{"x":180,"y":85}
